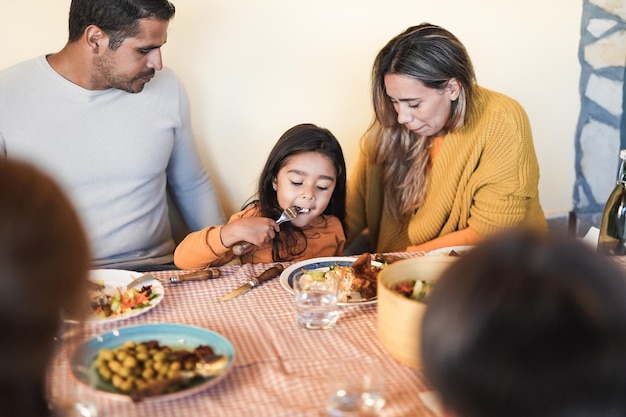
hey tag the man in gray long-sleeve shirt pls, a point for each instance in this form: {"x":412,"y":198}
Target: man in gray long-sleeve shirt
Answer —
{"x":103,"y":119}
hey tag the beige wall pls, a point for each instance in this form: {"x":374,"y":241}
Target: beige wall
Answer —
{"x":254,"y":68}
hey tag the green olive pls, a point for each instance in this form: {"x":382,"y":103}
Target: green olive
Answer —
{"x":130,"y":362}
{"x":148,"y":373}
{"x":117,"y":381}
{"x":123,"y":372}
{"x":114,"y":365}
{"x":126,"y":386}
{"x":105,"y":373}
{"x":105,"y":354}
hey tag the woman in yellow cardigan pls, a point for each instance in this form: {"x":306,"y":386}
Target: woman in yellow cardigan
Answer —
{"x":445,"y":162}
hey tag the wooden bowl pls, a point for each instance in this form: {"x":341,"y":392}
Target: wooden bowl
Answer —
{"x":399,"y":318}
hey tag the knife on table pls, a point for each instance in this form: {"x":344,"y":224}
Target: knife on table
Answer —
{"x":267,"y":274}
{"x":202,"y":275}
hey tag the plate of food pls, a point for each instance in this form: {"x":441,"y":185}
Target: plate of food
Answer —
{"x":153,"y":362}
{"x":449,"y":251}
{"x":414,"y":289}
{"x":357,"y":276}
{"x":110,"y":300}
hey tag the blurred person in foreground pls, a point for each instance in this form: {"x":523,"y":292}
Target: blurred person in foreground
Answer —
{"x":445,"y":162}
{"x":44,"y":260}
{"x":527,"y":325}
{"x":112,"y":126}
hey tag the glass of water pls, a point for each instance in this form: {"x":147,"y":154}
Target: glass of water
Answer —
{"x":356,"y":388}
{"x":316,"y":302}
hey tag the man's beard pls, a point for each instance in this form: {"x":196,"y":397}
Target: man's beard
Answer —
{"x":106,"y":72}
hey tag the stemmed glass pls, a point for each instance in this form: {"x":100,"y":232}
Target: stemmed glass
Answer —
{"x":81,"y":380}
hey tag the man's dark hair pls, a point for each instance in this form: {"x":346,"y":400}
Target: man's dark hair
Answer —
{"x":119,"y":19}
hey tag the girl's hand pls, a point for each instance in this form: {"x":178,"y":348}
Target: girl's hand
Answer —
{"x":256,"y":230}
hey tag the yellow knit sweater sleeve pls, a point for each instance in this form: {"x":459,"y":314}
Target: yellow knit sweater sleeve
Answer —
{"x":485,"y":176}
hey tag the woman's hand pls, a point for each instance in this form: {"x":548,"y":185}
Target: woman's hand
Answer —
{"x":256,"y":230}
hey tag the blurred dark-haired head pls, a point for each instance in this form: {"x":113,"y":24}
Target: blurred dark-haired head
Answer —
{"x":44,"y":260}
{"x":528,"y":325}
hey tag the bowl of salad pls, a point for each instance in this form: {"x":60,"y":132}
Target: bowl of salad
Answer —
{"x":403,"y":289}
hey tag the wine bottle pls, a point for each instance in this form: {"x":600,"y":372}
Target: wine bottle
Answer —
{"x":612,"y":236}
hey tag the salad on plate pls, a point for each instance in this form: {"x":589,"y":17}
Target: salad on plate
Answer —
{"x":111,"y":300}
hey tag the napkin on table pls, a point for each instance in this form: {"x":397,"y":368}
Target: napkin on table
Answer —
{"x":592,"y":236}
{"x":431,"y":400}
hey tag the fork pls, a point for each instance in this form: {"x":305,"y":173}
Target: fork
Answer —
{"x":287,"y":215}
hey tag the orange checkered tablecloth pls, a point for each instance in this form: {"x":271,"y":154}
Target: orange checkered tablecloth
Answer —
{"x":279,"y":369}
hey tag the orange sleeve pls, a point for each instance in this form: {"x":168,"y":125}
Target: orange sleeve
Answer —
{"x":205,"y":248}
{"x":463,"y":237}
{"x":200,"y":249}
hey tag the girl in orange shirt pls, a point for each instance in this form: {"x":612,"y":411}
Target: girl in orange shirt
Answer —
{"x":306,"y":171}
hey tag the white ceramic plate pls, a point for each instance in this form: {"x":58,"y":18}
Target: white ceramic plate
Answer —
{"x":170,"y":334}
{"x":321,"y":264}
{"x":446,"y":251}
{"x":113,"y":278}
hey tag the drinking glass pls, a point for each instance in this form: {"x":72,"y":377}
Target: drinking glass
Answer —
{"x":356,"y":388}
{"x":80,"y":398}
{"x":316,"y":302}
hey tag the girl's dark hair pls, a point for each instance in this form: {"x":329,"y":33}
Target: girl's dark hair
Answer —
{"x":119,"y":19}
{"x":300,"y":139}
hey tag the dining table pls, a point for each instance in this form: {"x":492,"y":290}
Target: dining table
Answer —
{"x":279,"y":369}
